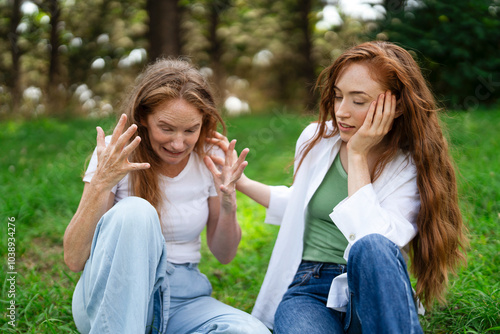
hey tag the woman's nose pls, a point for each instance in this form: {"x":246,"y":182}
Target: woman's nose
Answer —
{"x":341,"y":110}
{"x":177,"y":142}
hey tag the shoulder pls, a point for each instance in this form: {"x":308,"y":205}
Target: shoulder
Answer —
{"x":198,"y":166}
{"x":311,"y":130}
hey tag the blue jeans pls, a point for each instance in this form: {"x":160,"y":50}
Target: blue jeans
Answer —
{"x":381,"y":296}
{"x":128,"y":286}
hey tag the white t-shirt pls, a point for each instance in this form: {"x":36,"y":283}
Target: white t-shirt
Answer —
{"x":185,"y":208}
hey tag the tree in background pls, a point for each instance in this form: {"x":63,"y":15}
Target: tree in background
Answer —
{"x":266,"y":53}
{"x":294,"y":65}
{"x":69,"y":44}
{"x":215,"y":46}
{"x":55,"y":96}
{"x":456,"y":41}
{"x":164,"y":34}
{"x":88,"y":52}
{"x":14,"y":74}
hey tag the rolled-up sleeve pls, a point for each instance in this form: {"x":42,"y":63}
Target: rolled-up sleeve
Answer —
{"x":277,"y":204}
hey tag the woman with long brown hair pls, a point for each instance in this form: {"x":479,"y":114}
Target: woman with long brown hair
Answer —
{"x":373,"y":181}
{"x":150,"y":190}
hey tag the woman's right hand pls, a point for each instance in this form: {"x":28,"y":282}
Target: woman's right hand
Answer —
{"x":112,"y":160}
{"x":377,"y":124}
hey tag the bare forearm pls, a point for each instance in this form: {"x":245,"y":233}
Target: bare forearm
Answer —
{"x":226,"y":237}
{"x":259,"y":192}
{"x":80,"y":231}
{"x":358,"y":174}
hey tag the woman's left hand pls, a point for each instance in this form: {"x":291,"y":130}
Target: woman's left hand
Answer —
{"x":377,"y":124}
{"x":232,"y":166}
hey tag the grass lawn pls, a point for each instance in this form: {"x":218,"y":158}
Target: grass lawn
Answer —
{"x":41,"y":163}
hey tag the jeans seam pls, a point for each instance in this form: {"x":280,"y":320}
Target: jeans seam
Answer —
{"x":402,"y":276}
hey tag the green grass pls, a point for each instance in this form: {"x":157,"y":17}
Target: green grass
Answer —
{"x":41,"y":163}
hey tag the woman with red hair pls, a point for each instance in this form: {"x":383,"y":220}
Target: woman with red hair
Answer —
{"x":150,"y":190}
{"x":373,"y":182}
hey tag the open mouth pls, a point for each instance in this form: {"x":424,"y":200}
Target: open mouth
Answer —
{"x":171,"y":153}
{"x":344,"y":126}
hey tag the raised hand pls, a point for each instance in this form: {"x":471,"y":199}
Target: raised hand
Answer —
{"x":377,"y":124}
{"x":232,"y":166}
{"x":112,"y":160}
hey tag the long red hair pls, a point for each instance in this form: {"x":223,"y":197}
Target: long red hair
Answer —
{"x":439,"y":246}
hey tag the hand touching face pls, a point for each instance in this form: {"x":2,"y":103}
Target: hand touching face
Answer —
{"x":364,"y":112}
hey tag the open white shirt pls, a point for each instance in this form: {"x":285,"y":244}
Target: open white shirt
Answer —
{"x":389,"y":206}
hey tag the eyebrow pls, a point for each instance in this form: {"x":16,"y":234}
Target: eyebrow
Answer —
{"x":195,"y":126}
{"x":354,"y":92}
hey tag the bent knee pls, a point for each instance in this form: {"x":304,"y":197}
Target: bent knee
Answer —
{"x":370,"y":248}
{"x":134,"y":214}
{"x":132,"y":205}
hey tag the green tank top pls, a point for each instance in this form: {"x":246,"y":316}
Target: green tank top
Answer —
{"x":323,"y":241}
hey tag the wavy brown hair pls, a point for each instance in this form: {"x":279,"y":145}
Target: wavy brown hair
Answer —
{"x":162,"y":81}
{"x":439,"y":246}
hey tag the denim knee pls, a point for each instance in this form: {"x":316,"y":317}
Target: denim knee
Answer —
{"x":132,"y":215}
{"x":370,"y":248}
{"x":135,"y":207}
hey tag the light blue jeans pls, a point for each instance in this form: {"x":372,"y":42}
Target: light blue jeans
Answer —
{"x":128,"y":286}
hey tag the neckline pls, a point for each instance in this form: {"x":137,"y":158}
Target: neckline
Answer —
{"x":183,"y":171}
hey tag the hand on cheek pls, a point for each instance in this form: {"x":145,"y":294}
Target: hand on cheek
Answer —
{"x":377,"y":124}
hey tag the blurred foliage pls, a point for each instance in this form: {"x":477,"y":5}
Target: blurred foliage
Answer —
{"x":258,"y":54}
{"x":457,"y":42}
{"x":267,"y":54}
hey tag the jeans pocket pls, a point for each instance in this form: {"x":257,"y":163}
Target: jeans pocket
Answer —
{"x":187,"y":282}
{"x":203,"y":279}
{"x":301,"y":278}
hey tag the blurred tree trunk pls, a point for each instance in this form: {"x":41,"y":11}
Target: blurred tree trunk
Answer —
{"x":15,"y":52}
{"x":215,"y":48}
{"x":55,"y":98}
{"x":164,"y":28}
{"x":307,"y":69}
{"x":54,"y":70}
